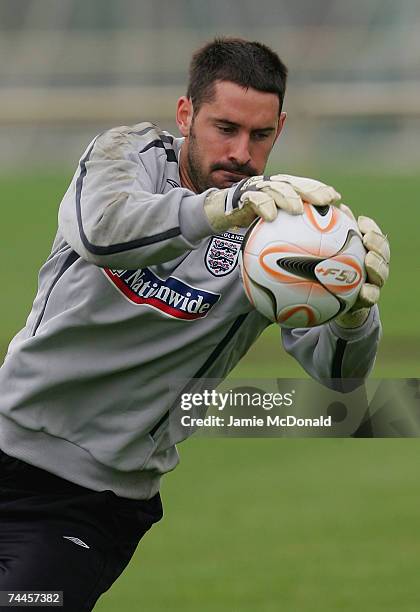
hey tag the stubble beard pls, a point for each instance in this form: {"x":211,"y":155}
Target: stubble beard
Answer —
{"x":199,"y":179}
{"x":202,"y":180}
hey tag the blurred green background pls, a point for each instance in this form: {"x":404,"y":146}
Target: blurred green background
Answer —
{"x":251,"y":525}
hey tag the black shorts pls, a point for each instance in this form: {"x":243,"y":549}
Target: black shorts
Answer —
{"x":58,"y":536}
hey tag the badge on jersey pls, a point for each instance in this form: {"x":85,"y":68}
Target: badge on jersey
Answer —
{"x":222,"y":253}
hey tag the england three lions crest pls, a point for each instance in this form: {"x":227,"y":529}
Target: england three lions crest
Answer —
{"x":222,"y":253}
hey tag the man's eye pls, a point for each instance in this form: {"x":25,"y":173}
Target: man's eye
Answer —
{"x":261,"y":135}
{"x":226,"y":129}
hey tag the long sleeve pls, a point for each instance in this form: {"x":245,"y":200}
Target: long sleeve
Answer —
{"x":114,"y":213}
{"x":330,"y":353}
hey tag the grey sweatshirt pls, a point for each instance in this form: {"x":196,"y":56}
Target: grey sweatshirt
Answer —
{"x":137,"y":292}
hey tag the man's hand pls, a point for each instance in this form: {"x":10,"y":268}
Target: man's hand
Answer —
{"x":377,"y":269}
{"x":262,"y":196}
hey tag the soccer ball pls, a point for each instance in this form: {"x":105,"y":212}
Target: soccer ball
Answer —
{"x":303,"y":270}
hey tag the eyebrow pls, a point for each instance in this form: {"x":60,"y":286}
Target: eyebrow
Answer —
{"x":237,"y":125}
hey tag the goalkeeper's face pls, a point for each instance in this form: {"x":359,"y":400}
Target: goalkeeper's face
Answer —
{"x":229,"y":138}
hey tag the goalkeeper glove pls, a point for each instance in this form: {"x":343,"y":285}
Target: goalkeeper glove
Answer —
{"x":377,"y":270}
{"x":262,"y":196}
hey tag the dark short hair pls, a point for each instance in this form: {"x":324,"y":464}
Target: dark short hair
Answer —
{"x":246,"y":63}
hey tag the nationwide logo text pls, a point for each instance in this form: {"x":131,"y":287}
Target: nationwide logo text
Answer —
{"x":171,"y":296}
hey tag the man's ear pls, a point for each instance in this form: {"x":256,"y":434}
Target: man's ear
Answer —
{"x":282,"y":120}
{"x":184,"y":115}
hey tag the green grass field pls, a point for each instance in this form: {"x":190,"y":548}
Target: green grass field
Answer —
{"x":270,"y":524}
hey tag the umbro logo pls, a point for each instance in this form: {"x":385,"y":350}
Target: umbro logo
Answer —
{"x":76,"y":541}
{"x":172,"y":183}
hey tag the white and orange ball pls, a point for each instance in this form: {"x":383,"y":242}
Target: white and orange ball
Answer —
{"x":303,"y":270}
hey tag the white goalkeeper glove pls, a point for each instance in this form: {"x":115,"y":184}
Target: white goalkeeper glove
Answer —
{"x":377,"y":270}
{"x":262,"y":196}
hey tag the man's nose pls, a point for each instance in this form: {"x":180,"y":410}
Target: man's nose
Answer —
{"x":239,"y":152}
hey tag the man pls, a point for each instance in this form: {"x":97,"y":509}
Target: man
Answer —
{"x":127,"y":300}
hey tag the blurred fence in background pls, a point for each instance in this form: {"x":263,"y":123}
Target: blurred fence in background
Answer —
{"x":71,"y":68}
